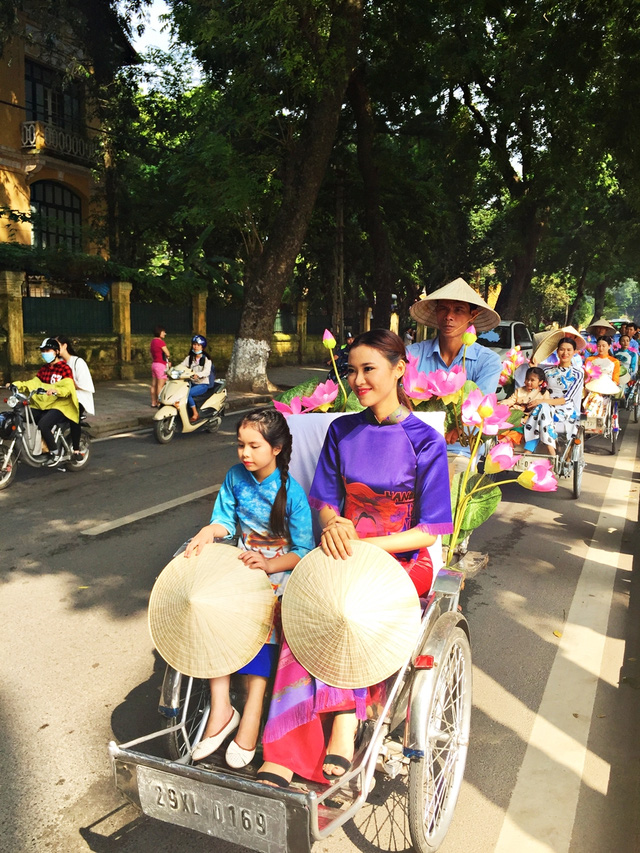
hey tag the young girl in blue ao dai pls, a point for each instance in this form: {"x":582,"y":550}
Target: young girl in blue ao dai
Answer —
{"x":273,"y":514}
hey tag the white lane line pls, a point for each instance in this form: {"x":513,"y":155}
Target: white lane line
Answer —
{"x":145,"y":513}
{"x":542,"y":811}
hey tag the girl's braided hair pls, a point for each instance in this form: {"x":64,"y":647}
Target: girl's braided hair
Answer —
{"x":273,"y":428}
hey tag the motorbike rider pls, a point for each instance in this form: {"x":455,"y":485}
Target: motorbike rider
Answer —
{"x":201,"y":365}
{"x":84,"y":388}
{"x":59,"y":403}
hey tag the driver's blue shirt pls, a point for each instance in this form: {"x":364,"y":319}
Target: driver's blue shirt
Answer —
{"x":482,"y":366}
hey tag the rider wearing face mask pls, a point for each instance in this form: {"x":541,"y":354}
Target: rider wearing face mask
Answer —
{"x":59,"y":403}
{"x":204,"y":372}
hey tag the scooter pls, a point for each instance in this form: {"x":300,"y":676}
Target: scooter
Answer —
{"x":21,"y":440}
{"x":174,"y":411}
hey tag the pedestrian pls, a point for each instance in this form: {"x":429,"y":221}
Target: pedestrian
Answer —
{"x":271,"y":509}
{"x":409,"y":337}
{"x":159,"y":363}
{"x":84,"y":389}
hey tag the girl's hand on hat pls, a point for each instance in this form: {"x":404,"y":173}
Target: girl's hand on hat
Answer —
{"x":203,"y":537}
{"x":336,"y":538}
{"x":254,"y":560}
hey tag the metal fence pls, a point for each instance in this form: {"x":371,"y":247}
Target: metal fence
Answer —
{"x":66,"y":316}
{"x":175,"y":319}
{"x":317,"y":323}
{"x":286,"y":322}
{"x":222,"y":320}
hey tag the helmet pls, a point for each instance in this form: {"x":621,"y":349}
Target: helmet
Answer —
{"x":198,"y":339}
{"x":50,"y":343}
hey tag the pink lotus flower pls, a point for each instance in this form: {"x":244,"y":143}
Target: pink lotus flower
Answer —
{"x":294,"y":407}
{"x":328,"y":340}
{"x":592,"y":371}
{"x":469,"y":337}
{"x":539,"y":477}
{"x":415,"y":382}
{"x":591,"y":349}
{"x":500,"y":458}
{"x":485,"y":412}
{"x":444,"y":383}
{"x":323,"y":396}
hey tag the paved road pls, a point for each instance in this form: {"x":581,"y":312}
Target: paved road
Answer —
{"x":553,"y":763}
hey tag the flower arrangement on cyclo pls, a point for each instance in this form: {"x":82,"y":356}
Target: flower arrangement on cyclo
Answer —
{"x":474,"y":416}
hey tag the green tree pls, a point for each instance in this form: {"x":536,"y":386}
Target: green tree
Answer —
{"x":281,"y":71}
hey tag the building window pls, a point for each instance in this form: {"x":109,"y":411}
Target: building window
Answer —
{"x":51,"y":99}
{"x":57,"y":216}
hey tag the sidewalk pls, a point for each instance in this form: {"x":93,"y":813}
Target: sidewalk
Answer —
{"x":122,"y":405}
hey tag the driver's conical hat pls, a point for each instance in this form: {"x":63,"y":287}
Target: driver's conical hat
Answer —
{"x":209,"y":615}
{"x":424,"y":310}
{"x":351,"y":623}
{"x":602,"y":321}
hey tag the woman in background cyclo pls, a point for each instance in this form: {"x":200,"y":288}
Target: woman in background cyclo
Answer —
{"x":564,"y":383}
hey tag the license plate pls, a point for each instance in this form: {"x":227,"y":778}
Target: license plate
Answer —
{"x":594,"y":424}
{"x":244,"y":819}
{"x":525,"y":461}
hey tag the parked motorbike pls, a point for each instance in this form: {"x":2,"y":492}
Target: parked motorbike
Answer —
{"x":173,"y":413}
{"x":21,"y":440}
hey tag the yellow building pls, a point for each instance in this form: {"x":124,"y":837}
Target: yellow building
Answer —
{"x":48,"y":137}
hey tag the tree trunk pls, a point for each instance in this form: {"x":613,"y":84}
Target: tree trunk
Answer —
{"x":383,"y":272}
{"x":573,"y":308}
{"x":270,"y":263}
{"x":600,"y":293}
{"x":523,"y":262}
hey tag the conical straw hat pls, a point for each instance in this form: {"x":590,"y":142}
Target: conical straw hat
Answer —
{"x":351,"y":623}
{"x":548,"y":342}
{"x":603,"y":385}
{"x":424,"y":311}
{"x":602,"y":321}
{"x":209,"y":615}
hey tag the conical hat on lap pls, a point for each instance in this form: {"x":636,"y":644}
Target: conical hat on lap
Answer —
{"x":209,"y":615}
{"x":351,"y":623}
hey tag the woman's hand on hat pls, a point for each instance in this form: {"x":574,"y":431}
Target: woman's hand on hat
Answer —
{"x":336,"y":537}
{"x":254,"y":560}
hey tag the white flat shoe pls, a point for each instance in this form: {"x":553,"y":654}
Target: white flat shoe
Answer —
{"x":210,"y":744}
{"x":238,"y":757}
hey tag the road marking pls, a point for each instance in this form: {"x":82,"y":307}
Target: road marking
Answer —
{"x":542,"y":811}
{"x":145,"y":513}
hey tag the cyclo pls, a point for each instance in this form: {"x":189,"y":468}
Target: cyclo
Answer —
{"x":568,"y":463}
{"x":604,"y":420}
{"x":421,"y":731}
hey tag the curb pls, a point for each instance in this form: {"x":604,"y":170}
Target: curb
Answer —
{"x":101,"y":428}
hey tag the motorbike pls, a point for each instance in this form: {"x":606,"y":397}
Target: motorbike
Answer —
{"x":173,"y":413}
{"x":21,"y":440}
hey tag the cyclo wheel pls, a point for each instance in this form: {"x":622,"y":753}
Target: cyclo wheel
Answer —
{"x":435,"y":779}
{"x":578,"y":466}
{"x":636,"y":389}
{"x":174,"y":742}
